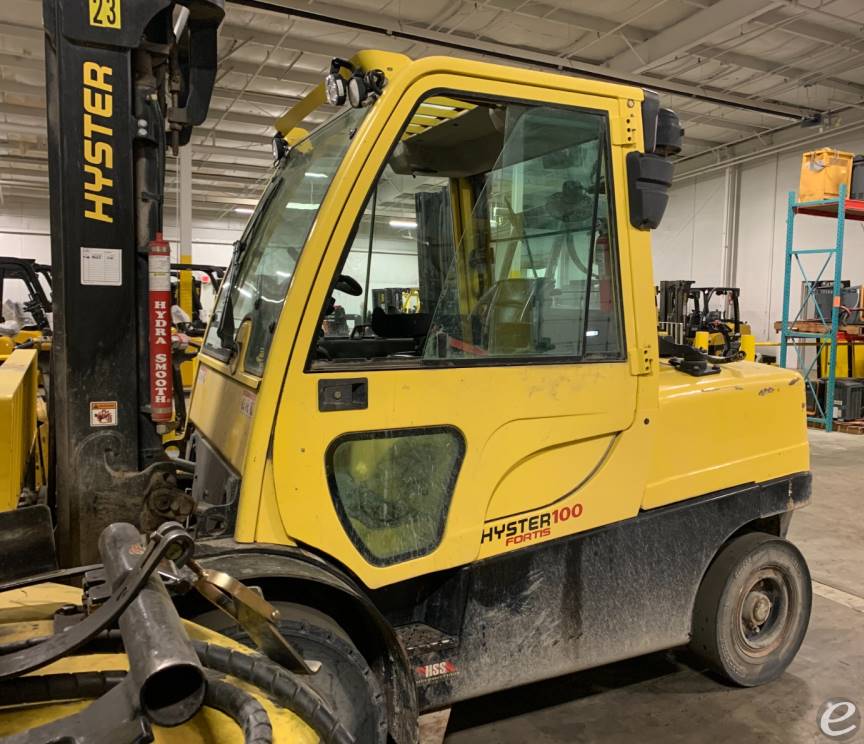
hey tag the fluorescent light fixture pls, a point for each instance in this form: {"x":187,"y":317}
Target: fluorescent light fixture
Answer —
{"x":410,"y":224}
{"x":592,"y":333}
{"x":312,"y":174}
{"x":301,"y":205}
{"x":243,"y":210}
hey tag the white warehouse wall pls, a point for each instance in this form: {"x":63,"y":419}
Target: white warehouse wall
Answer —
{"x":689,"y":244}
{"x":25,"y":233}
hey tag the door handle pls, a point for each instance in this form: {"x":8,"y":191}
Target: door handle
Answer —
{"x":343,"y":395}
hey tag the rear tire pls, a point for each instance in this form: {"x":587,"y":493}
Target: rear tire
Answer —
{"x":752,"y":609}
{"x":344,"y":680}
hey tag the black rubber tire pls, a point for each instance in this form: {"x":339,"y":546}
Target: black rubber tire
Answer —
{"x":344,"y":680}
{"x":721,"y":635}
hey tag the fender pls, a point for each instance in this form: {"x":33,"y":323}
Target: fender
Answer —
{"x":297,"y":575}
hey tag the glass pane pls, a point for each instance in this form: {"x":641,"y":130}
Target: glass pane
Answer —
{"x":535,"y":274}
{"x":16,"y":294}
{"x":392,"y":489}
{"x":390,"y":254}
{"x":487,"y":236}
{"x":276,"y":235}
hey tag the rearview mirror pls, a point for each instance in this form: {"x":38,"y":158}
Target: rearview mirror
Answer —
{"x":649,"y":177}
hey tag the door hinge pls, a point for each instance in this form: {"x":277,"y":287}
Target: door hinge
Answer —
{"x":640,"y":362}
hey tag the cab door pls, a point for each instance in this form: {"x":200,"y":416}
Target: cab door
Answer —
{"x":463,"y":381}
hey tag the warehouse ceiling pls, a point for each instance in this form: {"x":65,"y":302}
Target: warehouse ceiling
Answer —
{"x":742,"y":74}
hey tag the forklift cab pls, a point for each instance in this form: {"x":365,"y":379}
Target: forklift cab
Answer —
{"x":519,"y":395}
{"x":25,"y":294}
{"x":506,"y":205}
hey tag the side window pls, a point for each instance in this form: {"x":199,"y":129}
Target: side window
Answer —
{"x":488,"y":236}
{"x":15,"y":296}
{"x":392,"y":489}
{"x":396,"y":258}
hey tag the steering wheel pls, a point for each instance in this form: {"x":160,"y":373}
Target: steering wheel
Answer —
{"x":349,"y":285}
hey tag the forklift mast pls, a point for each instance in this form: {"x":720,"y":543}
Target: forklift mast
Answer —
{"x":125,"y":80}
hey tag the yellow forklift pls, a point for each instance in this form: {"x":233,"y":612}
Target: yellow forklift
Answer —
{"x":690,"y":310}
{"x":497,"y":489}
{"x":29,"y":321}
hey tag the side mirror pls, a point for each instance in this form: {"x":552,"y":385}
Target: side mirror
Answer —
{"x":649,"y":177}
{"x":649,"y":174}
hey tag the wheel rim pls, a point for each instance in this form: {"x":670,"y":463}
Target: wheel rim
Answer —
{"x":763,"y":612}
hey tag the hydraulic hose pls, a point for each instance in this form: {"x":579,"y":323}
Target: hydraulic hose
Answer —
{"x":242,"y":708}
{"x":235,"y":703}
{"x":52,"y":688}
{"x":287,"y":691}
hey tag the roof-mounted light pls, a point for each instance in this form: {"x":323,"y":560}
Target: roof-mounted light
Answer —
{"x":365,"y":87}
{"x":334,"y":83}
{"x":280,"y":148}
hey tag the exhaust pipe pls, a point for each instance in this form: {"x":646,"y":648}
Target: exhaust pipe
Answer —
{"x":163,"y":666}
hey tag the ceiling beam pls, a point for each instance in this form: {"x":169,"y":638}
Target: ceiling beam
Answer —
{"x":37,"y":109}
{"x":282,"y":73}
{"x":805,"y":27}
{"x":695,"y":29}
{"x":789,"y":138}
{"x":702,"y":144}
{"x":689,"y":118}
{"x":789,"y":72}
{"x":310,"y":45}
{"x":379,"y":24}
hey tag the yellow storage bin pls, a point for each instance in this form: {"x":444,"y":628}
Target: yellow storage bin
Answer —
{"x":822,"y":173}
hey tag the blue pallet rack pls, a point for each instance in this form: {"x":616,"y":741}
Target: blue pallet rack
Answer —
{"x":839,"y":209}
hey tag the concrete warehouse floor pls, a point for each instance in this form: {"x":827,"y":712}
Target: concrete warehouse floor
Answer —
{"x":657,"y":698}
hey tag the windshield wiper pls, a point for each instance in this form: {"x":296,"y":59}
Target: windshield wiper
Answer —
{"x":226,"y":329}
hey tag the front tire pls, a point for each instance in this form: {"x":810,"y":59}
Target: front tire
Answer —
{"x":752,"y":609}
{"x":344,"y":680}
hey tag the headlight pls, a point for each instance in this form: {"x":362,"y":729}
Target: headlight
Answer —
{"x":280,"y":148}
{"x":334,"y":86}
{"x":356,"y":90}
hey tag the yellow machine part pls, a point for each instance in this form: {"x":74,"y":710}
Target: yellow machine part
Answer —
{"x":189,"y":367}
{"x":8,"y":343}
{"x":691,"y":458}
{"x":531,"y":431}
{"x":850,"y":359}
{"x":26,"y":613}
{"x":19,"y":389}
{"x":822,"y":174}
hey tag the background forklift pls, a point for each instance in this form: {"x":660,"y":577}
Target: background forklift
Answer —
{"x":459,"y":502}
{"x":24,"y":322}
{"x":694,"y":310}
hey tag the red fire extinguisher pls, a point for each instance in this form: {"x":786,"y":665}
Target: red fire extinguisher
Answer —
{"x":159,"y":309}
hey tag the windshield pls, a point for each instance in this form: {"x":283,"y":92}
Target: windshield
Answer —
{"x":255,"y":286}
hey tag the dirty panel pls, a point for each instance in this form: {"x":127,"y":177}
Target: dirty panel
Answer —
{"x":590,"y":599}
